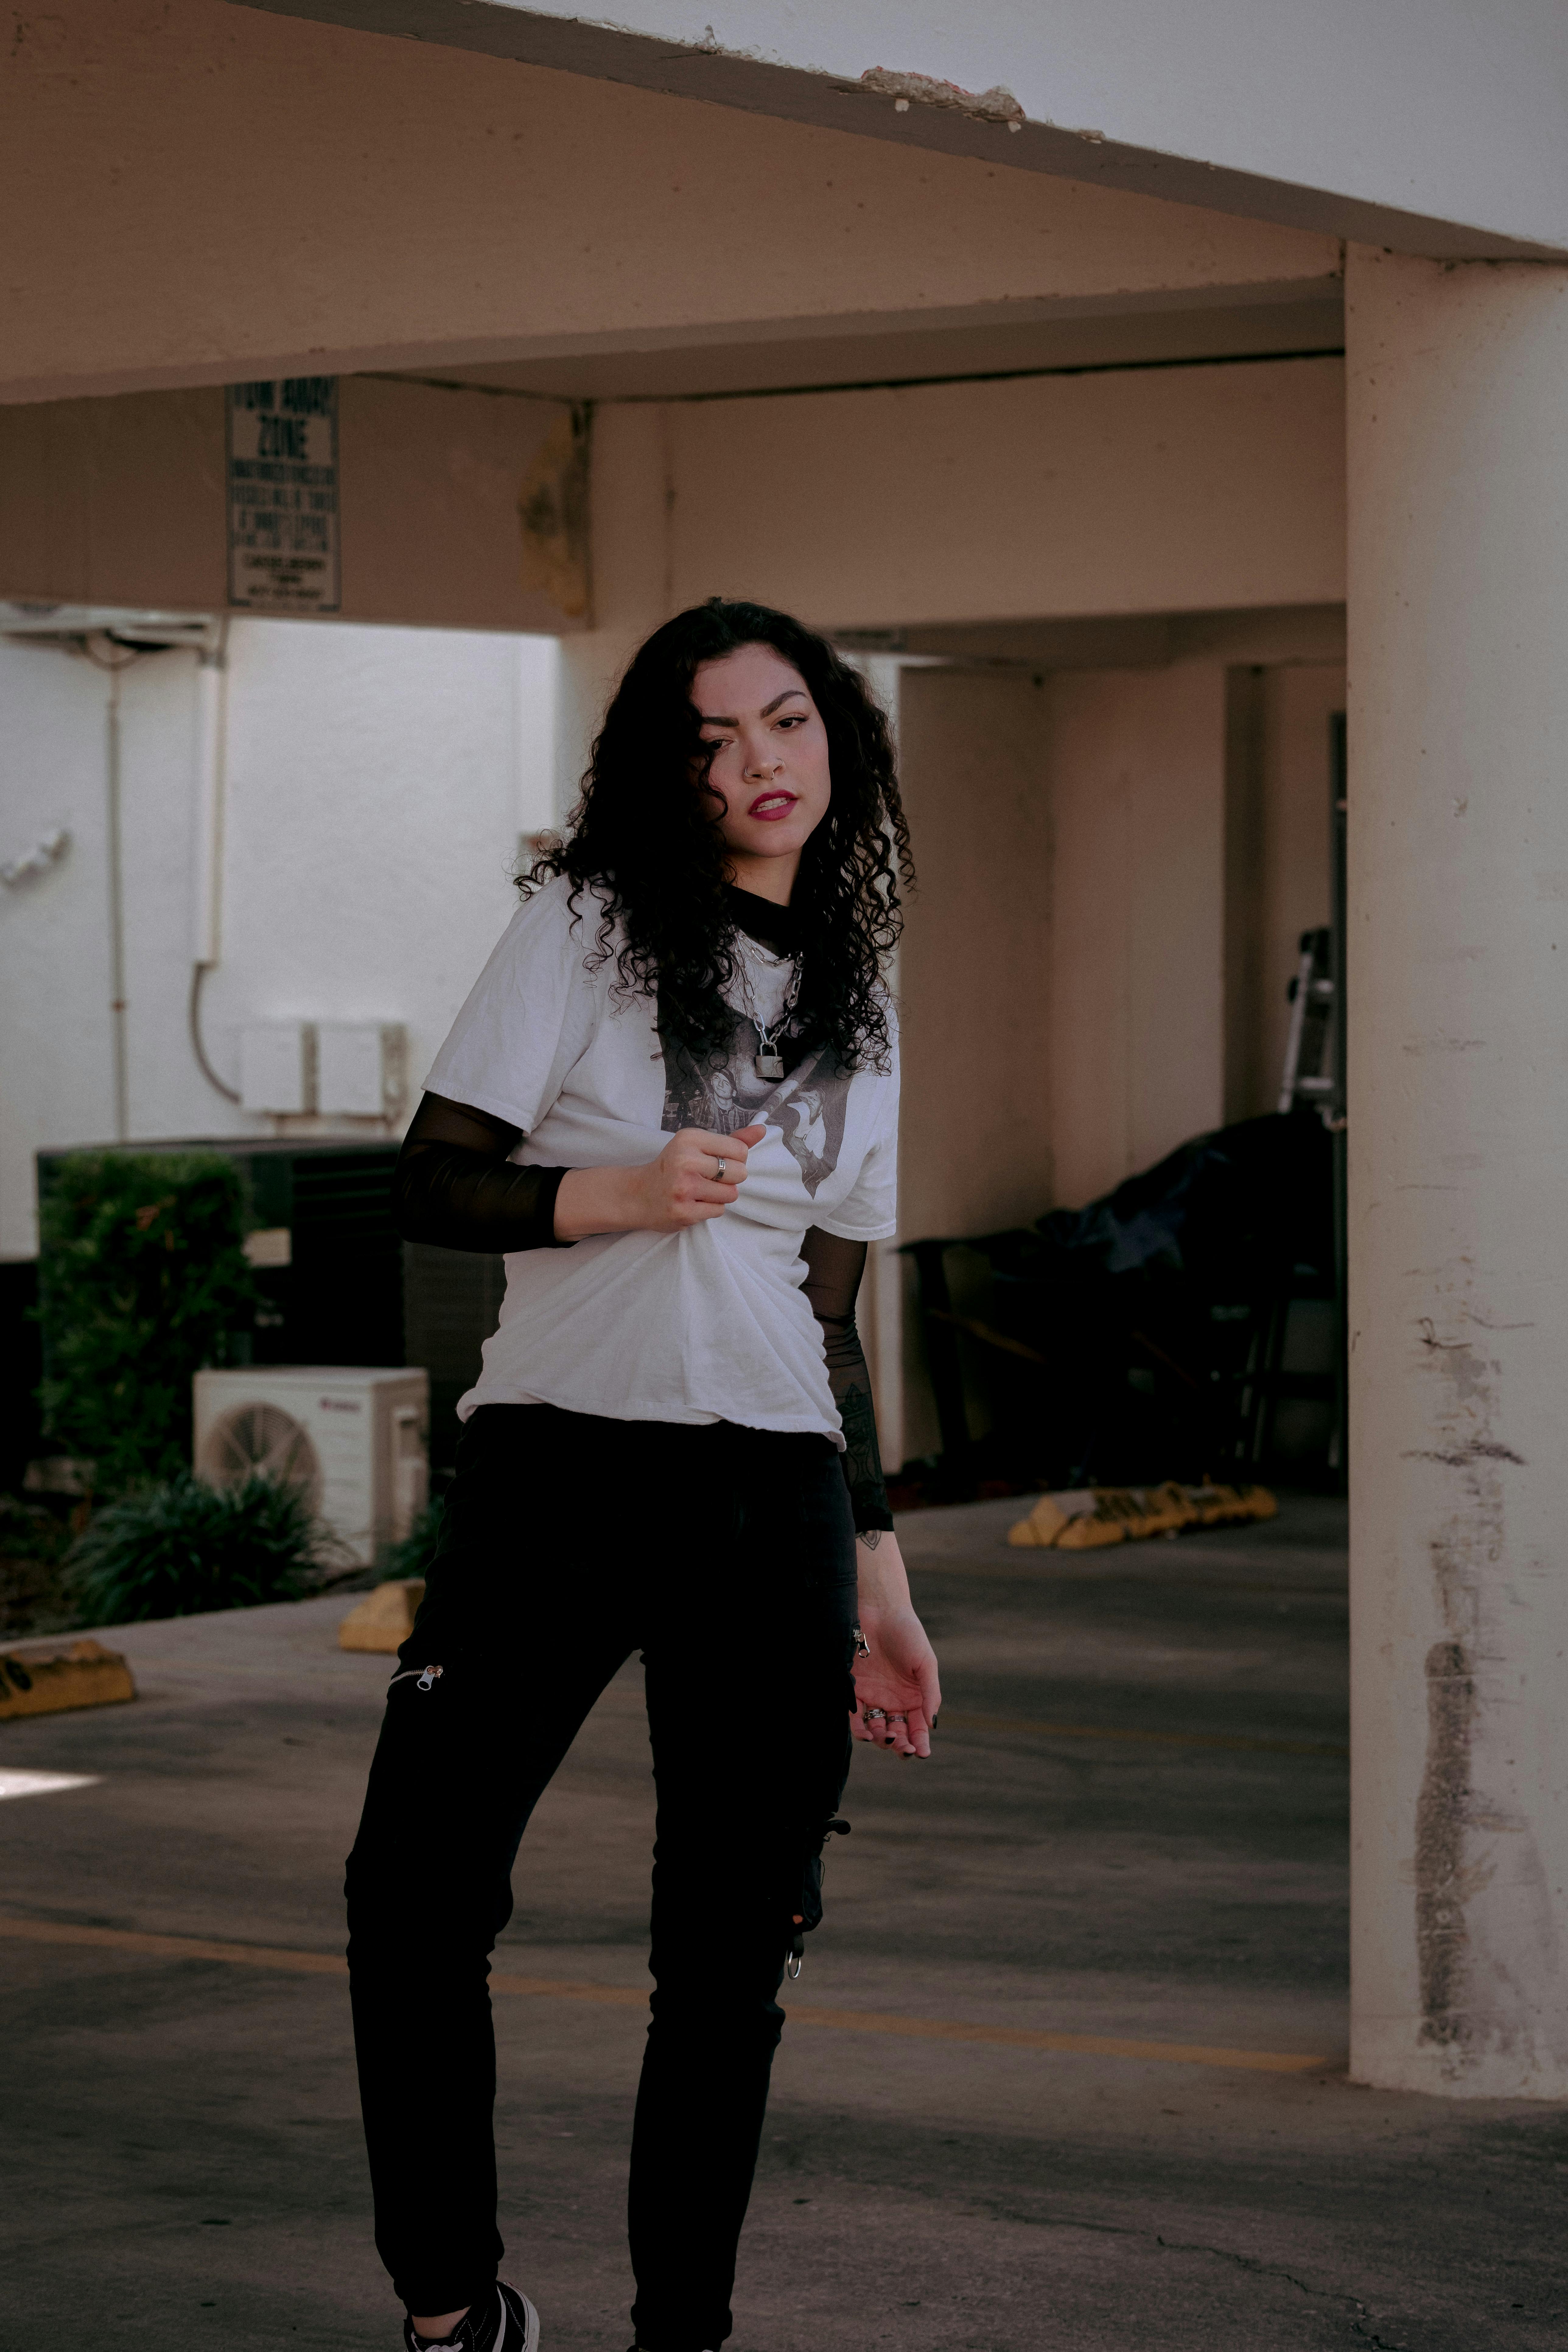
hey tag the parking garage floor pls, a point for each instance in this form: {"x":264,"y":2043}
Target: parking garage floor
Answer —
{"x":1066,"y":2067}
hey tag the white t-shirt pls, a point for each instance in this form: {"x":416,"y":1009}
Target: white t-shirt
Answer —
{"x":707,"y":1324}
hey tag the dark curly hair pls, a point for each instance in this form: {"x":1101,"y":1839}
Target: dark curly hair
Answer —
{"x":643,"y":839}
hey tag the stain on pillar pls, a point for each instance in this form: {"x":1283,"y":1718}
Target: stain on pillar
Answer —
{"x":552,"y":510}
{"x":1441,"y":1818}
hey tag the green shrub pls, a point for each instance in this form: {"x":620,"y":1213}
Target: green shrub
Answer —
{"x":33,"y":1541}
{"x":142,"y":1280}
{"x":175,"y":1549}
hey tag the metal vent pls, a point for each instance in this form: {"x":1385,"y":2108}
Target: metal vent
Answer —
{"x":262,"y":1441}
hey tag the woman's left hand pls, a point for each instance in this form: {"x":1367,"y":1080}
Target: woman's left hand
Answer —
{"x":897,"y":1689}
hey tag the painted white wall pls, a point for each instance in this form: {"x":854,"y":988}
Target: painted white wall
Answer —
{"x":377,"y":782}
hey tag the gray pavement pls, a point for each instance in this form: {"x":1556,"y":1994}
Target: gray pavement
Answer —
{"x":180,"y":2163}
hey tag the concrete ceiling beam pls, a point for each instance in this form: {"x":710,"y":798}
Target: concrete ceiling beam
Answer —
{"x":1429,"y":126}
{"x":201,"y":193}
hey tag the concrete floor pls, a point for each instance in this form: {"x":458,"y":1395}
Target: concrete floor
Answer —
{"x":180,"y":2163}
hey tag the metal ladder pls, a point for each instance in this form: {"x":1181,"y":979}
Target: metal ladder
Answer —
{"x":1308,"y":1076}
{"x":1314,"y":1077}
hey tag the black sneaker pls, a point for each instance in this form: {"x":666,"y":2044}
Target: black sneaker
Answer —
{"x":502,"y":2321}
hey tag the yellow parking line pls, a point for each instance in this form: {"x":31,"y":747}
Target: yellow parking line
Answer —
{"x":175,"y":1948}
{"x":1091,"y":2045}
{"x":854,"y":2020}
{"x":952,"y":1720}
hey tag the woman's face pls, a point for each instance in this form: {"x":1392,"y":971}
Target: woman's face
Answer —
{"x":769,"y":764}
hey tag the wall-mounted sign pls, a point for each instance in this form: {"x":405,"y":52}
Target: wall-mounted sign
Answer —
{"x":283,"y":495}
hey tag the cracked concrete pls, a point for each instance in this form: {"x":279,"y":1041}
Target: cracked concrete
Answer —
{"x":181,"y":2167}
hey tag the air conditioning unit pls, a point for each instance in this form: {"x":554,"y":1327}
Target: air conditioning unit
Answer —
{"x":353,"y":1441}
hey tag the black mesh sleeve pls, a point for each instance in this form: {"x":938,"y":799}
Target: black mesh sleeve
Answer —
{"x":454,"y":1184}
{"x":833,"y":1272}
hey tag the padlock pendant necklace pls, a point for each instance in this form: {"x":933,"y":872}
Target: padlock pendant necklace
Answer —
{"x":768,"y":1061}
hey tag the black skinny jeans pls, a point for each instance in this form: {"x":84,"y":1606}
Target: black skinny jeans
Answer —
{"x":727,"y":1557}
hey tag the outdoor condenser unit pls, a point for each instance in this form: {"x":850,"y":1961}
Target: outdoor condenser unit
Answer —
{"x":352,"y":1439}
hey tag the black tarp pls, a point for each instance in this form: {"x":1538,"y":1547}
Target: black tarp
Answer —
{"x":1147,"y":1307}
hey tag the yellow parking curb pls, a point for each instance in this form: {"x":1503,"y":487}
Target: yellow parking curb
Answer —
{"x":48,"y":1678}
{"x":1092,"y":1516}
{"x":384,"y":1618}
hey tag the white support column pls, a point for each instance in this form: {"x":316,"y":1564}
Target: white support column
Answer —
{"x":1137,"y":1015}
{"x":632,"y":505}
{"x":1458,"y":1173}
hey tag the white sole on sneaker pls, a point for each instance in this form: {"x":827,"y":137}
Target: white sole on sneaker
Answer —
{"x":517,"y":2335}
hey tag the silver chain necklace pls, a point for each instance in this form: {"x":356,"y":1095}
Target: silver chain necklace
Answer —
{"x":768,"y":1060}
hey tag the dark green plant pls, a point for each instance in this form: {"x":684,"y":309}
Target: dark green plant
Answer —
{"x":142,"y":1280}
{"x":33,"y":1541}
{"x":175,"y":1549}
{"x":413,"y":1556}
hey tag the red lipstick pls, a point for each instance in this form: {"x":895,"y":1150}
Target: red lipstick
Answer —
{"x":775,"y":802}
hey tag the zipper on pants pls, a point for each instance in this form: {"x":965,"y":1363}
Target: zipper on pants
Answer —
{"x":428,"y":1677}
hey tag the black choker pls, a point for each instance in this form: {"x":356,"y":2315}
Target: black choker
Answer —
{"x":775,"y":927}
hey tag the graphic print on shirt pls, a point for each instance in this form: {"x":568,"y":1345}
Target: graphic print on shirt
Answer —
{"x":808,"y":1106}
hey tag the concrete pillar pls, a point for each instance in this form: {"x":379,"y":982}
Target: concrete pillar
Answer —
{"x":1137,"y":787}
{"x":974,"y":982}
{"x":631,"y":504}
{"x":1459,"y":1172}
{"x":975,"y":1140}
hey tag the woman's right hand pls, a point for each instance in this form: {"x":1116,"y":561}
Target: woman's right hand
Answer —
{"x":682,"y":1187}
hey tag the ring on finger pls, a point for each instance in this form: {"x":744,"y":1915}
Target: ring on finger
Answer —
{"x":719,"y":1165}
{"x":876,"y":1714}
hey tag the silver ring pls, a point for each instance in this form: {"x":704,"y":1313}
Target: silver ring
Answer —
{"x":897,"y":1719}
{"x":876,"y":1714}
{"x":720,"y":1165}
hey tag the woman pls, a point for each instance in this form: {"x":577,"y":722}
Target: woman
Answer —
{"x":671,"y":1100}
